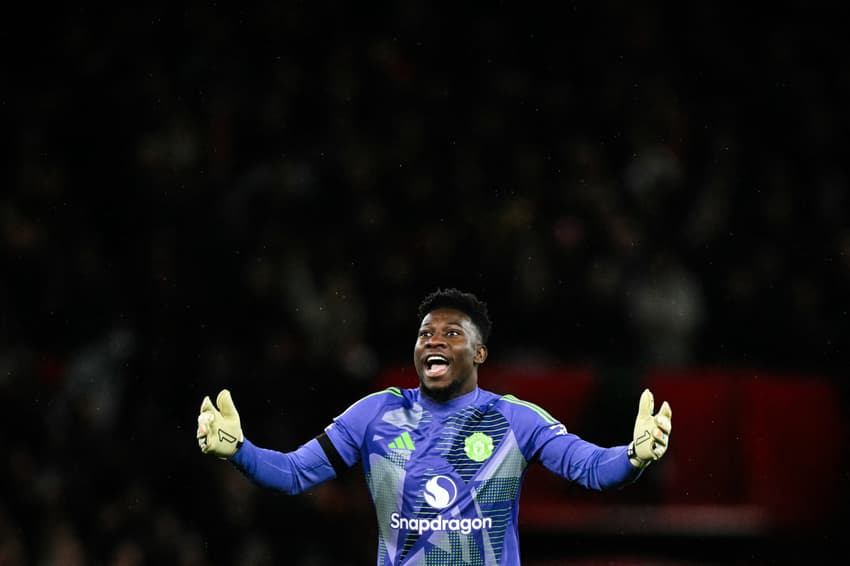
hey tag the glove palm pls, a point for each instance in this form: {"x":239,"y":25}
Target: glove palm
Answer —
{"x":219,"y":429}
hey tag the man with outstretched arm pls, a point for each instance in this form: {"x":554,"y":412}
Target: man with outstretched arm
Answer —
{"x":444,"y":462}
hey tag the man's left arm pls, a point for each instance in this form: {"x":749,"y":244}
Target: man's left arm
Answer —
{"x":600,"y":468}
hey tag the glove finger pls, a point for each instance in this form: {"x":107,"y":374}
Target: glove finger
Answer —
{"x":646,"y":404}
{"x":666,"y":411}
{"x":205,"y":420}
{"x":663,"y":422}
{"x":206,"y":404}
{"x":225,"y":403}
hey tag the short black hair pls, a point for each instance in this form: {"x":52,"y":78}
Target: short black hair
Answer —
{"x":467,"y":303}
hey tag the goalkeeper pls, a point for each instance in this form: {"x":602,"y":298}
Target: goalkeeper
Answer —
{"x":444,"y":462}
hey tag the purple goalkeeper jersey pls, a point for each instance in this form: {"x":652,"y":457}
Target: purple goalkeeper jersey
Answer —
{"x":445,"y":478}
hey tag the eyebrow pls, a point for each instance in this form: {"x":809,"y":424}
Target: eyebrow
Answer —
{"x":458,"y":323}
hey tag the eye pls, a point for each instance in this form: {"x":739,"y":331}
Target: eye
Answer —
{"x":453,"y":333}
{"x":425,"y":333}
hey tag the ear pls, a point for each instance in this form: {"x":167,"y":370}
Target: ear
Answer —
{"x":480,"y":354}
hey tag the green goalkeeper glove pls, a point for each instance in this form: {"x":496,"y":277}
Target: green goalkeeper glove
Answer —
{"x":652,"y":432}
{"x":219,"y":430}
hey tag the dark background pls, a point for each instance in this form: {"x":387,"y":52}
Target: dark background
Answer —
{"x":199,"y":196}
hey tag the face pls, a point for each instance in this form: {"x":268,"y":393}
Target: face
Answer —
{"x":447,"y":354}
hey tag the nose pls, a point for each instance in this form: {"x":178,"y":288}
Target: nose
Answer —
{"x":434,"y":341}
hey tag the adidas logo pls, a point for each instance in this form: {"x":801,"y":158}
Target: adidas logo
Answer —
{"x":403,"y":442}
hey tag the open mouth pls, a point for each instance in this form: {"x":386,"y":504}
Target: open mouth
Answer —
{"x":436,"y":365}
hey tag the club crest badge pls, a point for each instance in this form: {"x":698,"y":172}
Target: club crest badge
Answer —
{"x":478,"y":446}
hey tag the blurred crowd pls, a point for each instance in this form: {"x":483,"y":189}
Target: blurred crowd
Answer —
{"x":202,"y":196}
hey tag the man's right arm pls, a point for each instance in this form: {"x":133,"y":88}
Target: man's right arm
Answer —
{"x":220,"y":434}
{"x":290,"y":472}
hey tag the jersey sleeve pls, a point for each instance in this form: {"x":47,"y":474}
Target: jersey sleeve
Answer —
{"x":588,"y":464}
{"x":546,"y":440}
{"x":290,"y":472}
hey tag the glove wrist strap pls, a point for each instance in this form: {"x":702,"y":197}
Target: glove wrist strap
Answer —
{"x":633,"y":458}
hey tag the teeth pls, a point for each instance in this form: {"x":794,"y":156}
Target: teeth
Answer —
{"x":431,"y":360}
